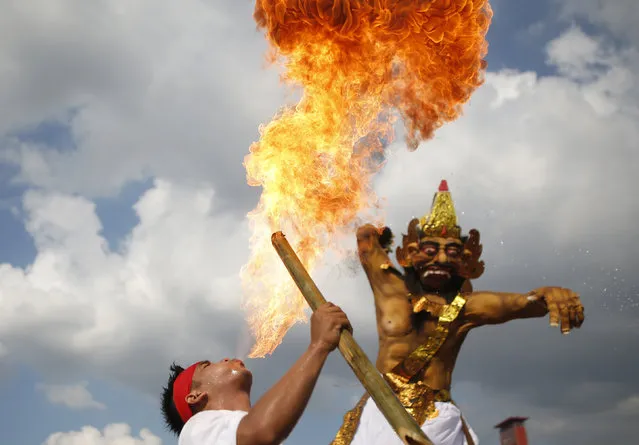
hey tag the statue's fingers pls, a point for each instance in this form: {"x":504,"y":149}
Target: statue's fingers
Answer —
{"x":553,"y":313}
{"x":572,"y":313}
{"x":579,"y":318}
{"x":564,"y":313}
{"x":577,"y":311}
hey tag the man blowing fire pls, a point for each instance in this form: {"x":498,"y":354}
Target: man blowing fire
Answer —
{"x":210,"y":403}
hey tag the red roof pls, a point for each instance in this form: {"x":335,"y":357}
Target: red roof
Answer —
{"x":509,"y":421}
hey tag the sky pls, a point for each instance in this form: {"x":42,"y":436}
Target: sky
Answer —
{"x":123,"y":202}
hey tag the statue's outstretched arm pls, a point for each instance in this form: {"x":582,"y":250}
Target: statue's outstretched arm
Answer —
{"x":563,"y":305}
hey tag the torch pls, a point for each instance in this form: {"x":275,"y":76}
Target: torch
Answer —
{"x":403,"y":423}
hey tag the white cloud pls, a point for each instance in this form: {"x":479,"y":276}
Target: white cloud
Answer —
{"x":576,"y":54}
{"x":616,"y":16}
{"x":73,"y":396}
{"x":114,"y":434}
{"x":140,"y":85}
{"x":174,"y":273}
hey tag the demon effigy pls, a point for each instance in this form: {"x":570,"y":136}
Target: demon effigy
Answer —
{"x":424,"y":314}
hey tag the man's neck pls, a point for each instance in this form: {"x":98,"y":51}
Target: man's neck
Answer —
{"x":231,"y":401}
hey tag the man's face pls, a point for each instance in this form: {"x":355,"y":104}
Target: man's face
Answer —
{"x":436,"y":260}
{"x":224,"y":372}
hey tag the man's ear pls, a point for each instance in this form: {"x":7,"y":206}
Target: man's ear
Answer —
{"x":195,"y":397}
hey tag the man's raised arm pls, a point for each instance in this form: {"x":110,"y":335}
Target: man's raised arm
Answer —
{"x":273,"y":417}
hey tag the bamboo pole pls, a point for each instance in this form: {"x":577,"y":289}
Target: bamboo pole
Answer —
{"x":403,"y":423}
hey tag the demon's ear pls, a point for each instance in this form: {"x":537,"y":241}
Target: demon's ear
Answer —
{"x":472,"y":267}
{"x":411,"y":237}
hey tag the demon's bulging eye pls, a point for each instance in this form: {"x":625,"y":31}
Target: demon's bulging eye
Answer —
{"x":429,"y":249}
{"x":453,"y":250}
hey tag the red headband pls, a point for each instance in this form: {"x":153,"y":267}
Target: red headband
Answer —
{"x":181,"y":388}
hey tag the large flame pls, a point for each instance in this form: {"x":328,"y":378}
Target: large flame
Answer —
{"x":359,"y":63}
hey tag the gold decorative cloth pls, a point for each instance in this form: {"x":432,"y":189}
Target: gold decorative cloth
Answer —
{"x":423,"y":354}
{"x":417,"y":397}
{"x":351,"y":421}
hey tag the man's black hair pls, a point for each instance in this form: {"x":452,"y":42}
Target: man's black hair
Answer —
{"x":169,"y":411}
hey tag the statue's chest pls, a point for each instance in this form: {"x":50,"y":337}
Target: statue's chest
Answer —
{"x":426,"y":326}
{"x":395,"y":320}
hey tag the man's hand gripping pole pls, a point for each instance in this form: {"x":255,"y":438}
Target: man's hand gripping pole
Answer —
{"x":403,"y":423}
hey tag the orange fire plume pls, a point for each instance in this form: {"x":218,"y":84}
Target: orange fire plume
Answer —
{"x":360,"y":65}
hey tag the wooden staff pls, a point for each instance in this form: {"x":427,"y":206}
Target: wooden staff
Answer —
{"x":403,"y":423}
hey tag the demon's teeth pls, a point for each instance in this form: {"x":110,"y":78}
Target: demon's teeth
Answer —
{"x":436,"y":272}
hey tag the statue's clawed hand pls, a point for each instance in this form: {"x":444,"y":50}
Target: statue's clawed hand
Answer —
{"x":564,"y":307}
{"x":368,"y":233}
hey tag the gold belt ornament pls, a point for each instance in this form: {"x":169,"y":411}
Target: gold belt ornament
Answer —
{"x":417,"y":397}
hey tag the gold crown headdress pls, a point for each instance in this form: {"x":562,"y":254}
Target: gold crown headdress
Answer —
{"x":442,"y":220}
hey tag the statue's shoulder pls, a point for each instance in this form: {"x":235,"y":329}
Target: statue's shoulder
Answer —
{"x":476,"y":301}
